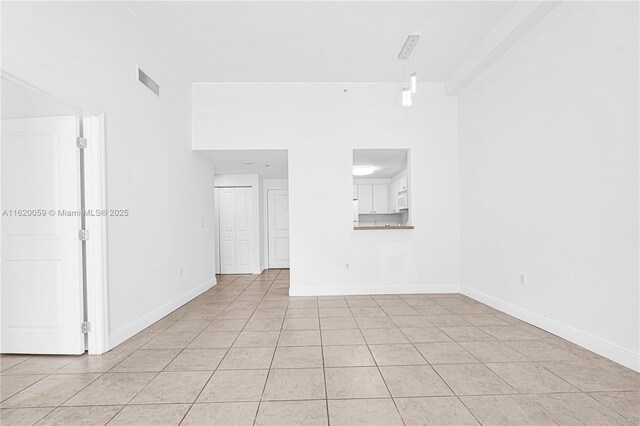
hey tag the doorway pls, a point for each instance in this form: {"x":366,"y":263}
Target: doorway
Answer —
{"x":258,"y":172}
{"x":278,"y":227}
{"x":52,"y":274}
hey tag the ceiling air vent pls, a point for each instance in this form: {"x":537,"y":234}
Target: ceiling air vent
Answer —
{"x":148,"y":81}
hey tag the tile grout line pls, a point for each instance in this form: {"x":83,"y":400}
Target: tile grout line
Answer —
{"x":248,"y":287}
{"x":375,"y":361}
{"x":264,"y":387}
{"x":324,"y":367}
{"x":103,"y":373}
{"x":484,"y":364}
{"x":453,"y":393}
{"x":610,"y":408}
{"x":154,"y":377}
{"x":182,"y":350}
{"x":221,"y":359}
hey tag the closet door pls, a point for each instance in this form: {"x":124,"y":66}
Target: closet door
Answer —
{"x":227,"y":230}
{"x":235,"y":230}
{"x":243,"y":230}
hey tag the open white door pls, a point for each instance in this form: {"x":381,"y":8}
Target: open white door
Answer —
{"x":42,"y":290}
{"x":235,"y":230}
{"x":278,"y":218}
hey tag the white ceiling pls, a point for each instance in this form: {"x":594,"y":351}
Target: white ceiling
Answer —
{"x":386,"y":162}
{"x":268,"y":163}
{"x":311,"y":41}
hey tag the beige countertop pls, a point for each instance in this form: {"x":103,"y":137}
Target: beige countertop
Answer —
{"x":375,"y":228}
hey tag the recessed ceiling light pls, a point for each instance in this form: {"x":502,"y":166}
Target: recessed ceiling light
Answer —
{"x":248,"y":163}
{"x":267,"y":165}
{"x":362,"y":170}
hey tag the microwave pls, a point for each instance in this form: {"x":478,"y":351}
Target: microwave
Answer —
{"x":403,"y":200}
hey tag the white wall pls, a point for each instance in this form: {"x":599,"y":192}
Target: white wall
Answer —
{"x":88,"y":51}
{"x":252,"y":181}
{"x":549,"y":178}
{"x":19,"y":101}
{"x":320,"y":125}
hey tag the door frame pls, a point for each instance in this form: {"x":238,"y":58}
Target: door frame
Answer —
{"x":268,"y":230}
{"x":267,"y":184}
{"x":96,"y":285}
{"x":96,"y":246}
{"x":216,"y":229}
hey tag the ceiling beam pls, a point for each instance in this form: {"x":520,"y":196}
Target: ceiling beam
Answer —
{"x":524,"y":16}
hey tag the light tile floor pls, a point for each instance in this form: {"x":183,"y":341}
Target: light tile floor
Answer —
{"x":245,"y":352}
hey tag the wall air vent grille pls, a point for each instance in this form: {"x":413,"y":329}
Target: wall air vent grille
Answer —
{"x":148,"y":81}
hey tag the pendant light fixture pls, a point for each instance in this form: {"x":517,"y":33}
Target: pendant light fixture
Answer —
{"x":404,"y":55}
{"x":406,"y":97}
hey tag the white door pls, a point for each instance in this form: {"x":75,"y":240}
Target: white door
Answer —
{"x":235,"y":230}
{"x":380,"y":198}
{"x":42,"y":292}
{"x":278,"y":218}
{"x":365,"y":199}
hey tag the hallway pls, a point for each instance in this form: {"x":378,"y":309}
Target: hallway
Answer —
{"x":245,"y":352}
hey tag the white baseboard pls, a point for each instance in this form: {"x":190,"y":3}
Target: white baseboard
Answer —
{"x":595,"y":344}
{"x":351,"y":290}
{"x":140,"y":324}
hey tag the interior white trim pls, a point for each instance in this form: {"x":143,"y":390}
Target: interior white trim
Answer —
{"x":352,"y":290}
{"x":96,"y":261}
{"x":216,"y":229}
{"x":524,"y":16}
{"x":595,"y":344}
{"x":140,"y":324}
{"x":40,"y":83}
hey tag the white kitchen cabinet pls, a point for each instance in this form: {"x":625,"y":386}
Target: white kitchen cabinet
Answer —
{"x":394,"y":188}
{"x":356,"y":213}
{"x":355,"y":192}
{"x":380,"y":198}
{"x":403,"y":183}
{"x":373,"y":198}
{"x":365,"y":198}
{"x":398,"y":183}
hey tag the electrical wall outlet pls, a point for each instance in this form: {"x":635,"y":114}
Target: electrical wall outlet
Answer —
{"x":347,"y":266}
{"x":523,"y":278}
